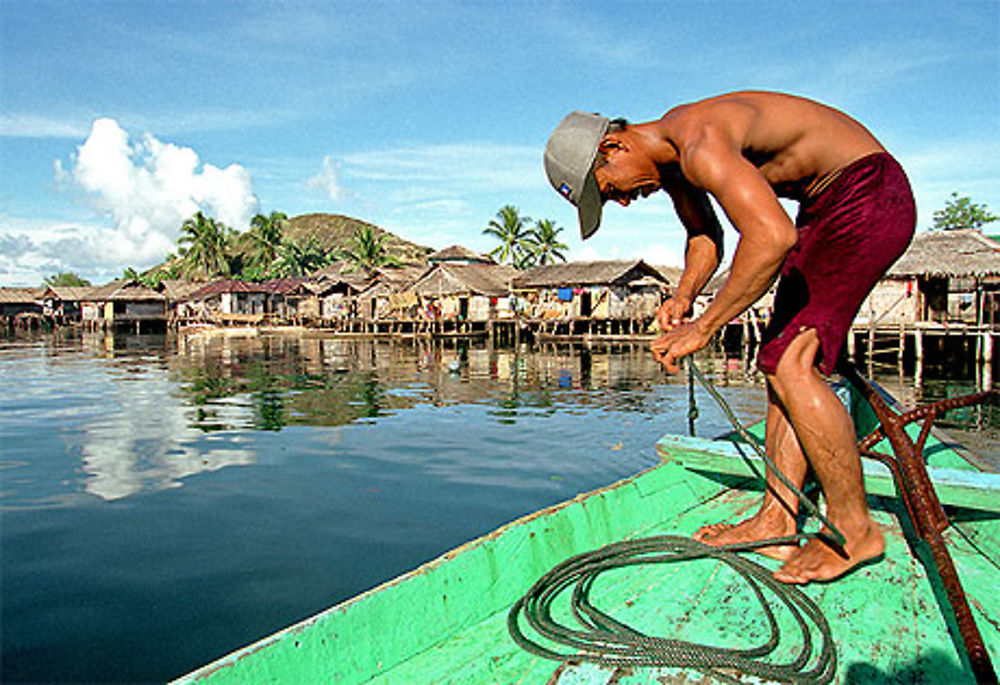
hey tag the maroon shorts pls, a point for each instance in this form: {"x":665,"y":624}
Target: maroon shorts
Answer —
{"x":849,"y":236}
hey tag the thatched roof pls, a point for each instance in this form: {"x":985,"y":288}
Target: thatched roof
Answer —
{"x":399,"y":278}
{"x":122,"y":290}
{"x":175,"y":289}
{"x":335,"y":268}
{"x":959,"y":253}
{"x":465,"y":279}
{"x":68,"y":293}
{"x":611,"y":272}
{"x":12,"y":295}
{"x":458,"y":253}
{"x":672,"y":274}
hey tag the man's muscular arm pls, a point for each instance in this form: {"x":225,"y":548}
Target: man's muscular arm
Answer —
{"x":703,"y":250}
{"x":713,"y":161}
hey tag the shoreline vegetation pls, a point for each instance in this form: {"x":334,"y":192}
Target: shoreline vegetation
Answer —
{"x":351,"y":278}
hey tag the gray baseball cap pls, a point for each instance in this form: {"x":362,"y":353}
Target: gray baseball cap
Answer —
{"x":569,"y":164}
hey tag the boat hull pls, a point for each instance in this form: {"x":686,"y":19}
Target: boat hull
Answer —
{"x":446,"y":622}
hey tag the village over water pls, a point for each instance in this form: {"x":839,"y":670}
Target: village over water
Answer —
{"x":938,"y":301}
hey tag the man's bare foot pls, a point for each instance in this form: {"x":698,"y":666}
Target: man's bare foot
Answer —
{"x":819,"y":560}
{"x":753,"y":529}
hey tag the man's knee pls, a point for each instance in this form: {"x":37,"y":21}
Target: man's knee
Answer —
{"x":796,"y":365}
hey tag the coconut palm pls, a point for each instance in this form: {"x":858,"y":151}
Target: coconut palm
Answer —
{"x":366,"y":250}
{"x":265,"y":236}
{"x":511,"y":230}
{"x":299,"y":257}
{"x":203,"y":247}
{"x":544,"y":243}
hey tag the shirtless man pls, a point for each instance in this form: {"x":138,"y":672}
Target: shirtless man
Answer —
{"x":856,"y":217}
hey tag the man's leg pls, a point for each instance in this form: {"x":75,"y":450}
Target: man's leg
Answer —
{"x":826,"y":433}
{"x":777,"y":514}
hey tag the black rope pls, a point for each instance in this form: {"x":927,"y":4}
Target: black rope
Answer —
{"x":602,"y":639}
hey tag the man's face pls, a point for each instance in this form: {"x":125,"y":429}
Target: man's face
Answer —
{"x":627,"y":174}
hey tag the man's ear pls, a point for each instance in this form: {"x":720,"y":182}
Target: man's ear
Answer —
{"x":610,"y":143}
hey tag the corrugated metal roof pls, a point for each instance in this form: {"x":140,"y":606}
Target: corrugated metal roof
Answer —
{"x":226,"y":286}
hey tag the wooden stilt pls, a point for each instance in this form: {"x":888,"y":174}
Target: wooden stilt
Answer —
{"x":987,"y":365}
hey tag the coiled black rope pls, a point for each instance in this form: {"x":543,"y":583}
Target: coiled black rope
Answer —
{"x":602,"y":639}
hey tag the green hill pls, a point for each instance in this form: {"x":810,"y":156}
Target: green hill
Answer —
{"x":334,"y":231}
{"x":331,"y":231}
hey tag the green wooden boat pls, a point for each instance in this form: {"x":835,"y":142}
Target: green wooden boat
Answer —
{"x":447,"y":621}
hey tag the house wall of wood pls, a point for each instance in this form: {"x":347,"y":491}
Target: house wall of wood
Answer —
{"x":893,"y":301}
{"x":137,"y":310}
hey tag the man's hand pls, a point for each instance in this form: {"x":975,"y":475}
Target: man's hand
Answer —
{"x":680,"y":341}
{"x":672,"y":312}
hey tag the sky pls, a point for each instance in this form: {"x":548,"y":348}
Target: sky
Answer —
{"x":118,"y":120}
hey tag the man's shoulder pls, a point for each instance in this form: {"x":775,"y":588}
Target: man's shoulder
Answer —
{"x":717,"y":117}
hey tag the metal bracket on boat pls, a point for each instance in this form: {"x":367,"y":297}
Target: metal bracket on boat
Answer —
{"x":922,"y":504}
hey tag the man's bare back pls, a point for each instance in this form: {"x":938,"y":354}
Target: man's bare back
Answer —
{"x":792,"y":141}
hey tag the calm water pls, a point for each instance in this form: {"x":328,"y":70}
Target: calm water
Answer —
{"x":164,"y":501}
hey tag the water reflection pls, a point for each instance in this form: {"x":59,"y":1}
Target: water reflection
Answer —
{"x":127,"y":414}
{"x":116,"y":416}
{"x":315,"y":380}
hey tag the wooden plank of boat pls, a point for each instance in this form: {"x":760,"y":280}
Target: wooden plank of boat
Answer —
{"x":445,"y":622}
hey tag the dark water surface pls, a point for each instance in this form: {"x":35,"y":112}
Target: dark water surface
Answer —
{"x":165,"y":500}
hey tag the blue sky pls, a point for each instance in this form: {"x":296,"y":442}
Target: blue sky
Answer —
{"x":118,"y":119}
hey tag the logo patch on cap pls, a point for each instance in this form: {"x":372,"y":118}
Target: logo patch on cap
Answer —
{"x":565,"y":190}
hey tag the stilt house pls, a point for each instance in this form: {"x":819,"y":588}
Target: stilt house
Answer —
{"x":946,"y":276}
{"x":614,"y":289}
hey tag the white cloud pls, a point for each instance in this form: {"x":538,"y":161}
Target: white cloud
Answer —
{"x":326,"y":180}
{"x":143,"y":188}
{"x":148,"y":188}
{"x":32,"y":250}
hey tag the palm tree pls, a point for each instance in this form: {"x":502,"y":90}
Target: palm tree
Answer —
{"x":512,"y":232}
{"x":265,"y":234}
{"x":203,"y":247}
{"x":367,"y":251}
{"x":544,"y":243}
{"x":299,"y":257}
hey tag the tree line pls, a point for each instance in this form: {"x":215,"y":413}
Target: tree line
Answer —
{"x":207,"y":248}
